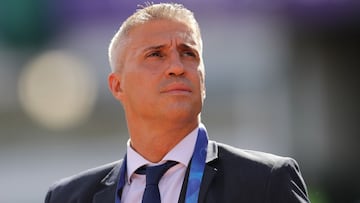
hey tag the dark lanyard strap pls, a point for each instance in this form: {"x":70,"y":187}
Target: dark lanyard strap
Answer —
{"x":196,"y":173}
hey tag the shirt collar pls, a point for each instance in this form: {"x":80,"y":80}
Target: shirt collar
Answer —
{"x":135,"y":160}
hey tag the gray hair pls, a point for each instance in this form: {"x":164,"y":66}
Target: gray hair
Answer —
{"x":146,"y":13}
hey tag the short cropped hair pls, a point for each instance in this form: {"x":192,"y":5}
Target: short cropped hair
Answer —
{"x":148,"y":12}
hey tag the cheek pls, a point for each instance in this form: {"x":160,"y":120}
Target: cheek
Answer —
{"x":200,"y":78}
{"x":134,"y":92}
{"x":201,"y":82}
{"x":139,"y":83}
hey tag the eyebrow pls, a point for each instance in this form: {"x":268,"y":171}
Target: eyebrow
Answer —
{"x":186,"y":46}
{"x":157,"y":47}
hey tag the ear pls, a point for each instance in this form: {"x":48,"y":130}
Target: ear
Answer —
{"x":114,"y":82}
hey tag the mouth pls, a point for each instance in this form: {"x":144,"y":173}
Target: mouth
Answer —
{"x":177,"y":88}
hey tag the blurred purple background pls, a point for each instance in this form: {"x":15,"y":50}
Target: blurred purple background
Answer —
{"x":282,"y":77}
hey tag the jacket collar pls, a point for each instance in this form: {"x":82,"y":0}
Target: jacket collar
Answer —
{"x":107,"y":194}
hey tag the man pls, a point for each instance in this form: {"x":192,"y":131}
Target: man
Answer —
{"x":158,"y":76}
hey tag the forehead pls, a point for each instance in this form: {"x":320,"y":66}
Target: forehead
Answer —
{"x":162,"y":31}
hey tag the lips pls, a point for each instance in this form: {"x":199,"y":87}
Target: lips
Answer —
{"x":176,"y":88}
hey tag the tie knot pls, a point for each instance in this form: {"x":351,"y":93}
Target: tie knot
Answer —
{"x":154,"y":173}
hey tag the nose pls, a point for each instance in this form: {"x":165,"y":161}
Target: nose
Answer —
{"x":176,"y":67}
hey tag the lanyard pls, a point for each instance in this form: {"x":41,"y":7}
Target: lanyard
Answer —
{"x":196,"y":173}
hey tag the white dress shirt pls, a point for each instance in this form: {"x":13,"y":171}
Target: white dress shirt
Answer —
{"x":171,"y":182}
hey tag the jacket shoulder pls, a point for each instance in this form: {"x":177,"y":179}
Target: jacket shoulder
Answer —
{"x":81,"y":185}
{"x":251,"y":157}
{"x":278,"y":178}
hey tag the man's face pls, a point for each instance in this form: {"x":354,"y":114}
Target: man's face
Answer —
{"x":162,"y":75}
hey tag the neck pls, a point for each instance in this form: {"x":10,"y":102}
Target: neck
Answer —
{"x":154,"y":140}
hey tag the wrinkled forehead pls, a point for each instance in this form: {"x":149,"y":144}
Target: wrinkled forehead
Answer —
{"x":164,"y":30}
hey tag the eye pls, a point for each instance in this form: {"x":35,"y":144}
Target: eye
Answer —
{"x":189,"y":53}
{"x":155,"y":54}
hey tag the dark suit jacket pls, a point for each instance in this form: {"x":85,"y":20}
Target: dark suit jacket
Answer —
{"x":231,"y":176}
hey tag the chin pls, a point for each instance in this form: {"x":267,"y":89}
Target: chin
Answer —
{"x":182,"y":113}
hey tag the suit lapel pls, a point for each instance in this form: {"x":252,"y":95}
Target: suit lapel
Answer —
{"x":209,"y":171}
{"x":109,"y":183}
{"x":209,"y":174}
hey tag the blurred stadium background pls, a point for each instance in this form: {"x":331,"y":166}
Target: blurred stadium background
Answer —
{"x":282,"y":77}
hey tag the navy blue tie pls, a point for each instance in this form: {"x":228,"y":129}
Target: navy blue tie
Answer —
{"x":153,"y":176}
